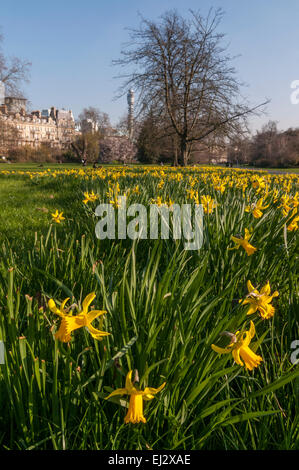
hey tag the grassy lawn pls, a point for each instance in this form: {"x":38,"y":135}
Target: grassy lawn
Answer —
{"x":44,"y":166}
{"x":26,"y":207}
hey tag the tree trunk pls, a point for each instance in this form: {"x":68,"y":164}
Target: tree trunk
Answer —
{"x":183,"y":158}
{"x":175,"y":152}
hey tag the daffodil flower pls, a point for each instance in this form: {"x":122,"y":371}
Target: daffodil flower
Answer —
{"x":135,"y":411}
{"x":208,"y":203}
{"x":257,"y":209}
{"x":286,"y":204}
{"x":293,"y":226}
{"x":70,"y":322}
{"x":258,"y":183}
{"x":260,"y":300}
{"x":239,"y":348}
{"x":57,"y":217}
{"x":89,"y":197}
{"x":244,"y":243}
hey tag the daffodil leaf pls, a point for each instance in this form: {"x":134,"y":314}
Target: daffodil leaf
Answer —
{"x":121,"y":353}
{"x":248,"y":416}
{"x":60,"y":284}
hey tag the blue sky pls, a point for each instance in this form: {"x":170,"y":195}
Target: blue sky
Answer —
{"x":71,"y":45}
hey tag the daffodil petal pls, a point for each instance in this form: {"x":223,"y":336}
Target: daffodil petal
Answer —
{"x":87,"y":301}
{"x":252,"y":330}
{"x":250,"y":287}
{"x":63,"y":303}
{"x":129,"y":386}
{"x":220,"y":350}
{"x":94,"y":314}
{"x":153,"y":391}
{"x":54,"y":309}
{"x":97,"y":334}
{"x":266,"y":289}
{"x":252,"y":309}
{"x":118,"y":391}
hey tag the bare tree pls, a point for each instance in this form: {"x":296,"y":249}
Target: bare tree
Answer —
{"x":92,"y":119}
{"x":13,"y":71}
{"x":183,"y":66}
{"x":156,"y":140}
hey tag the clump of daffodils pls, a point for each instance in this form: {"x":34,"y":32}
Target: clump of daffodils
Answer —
{"x":90,"y":197}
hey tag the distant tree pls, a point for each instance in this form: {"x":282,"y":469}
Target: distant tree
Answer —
{"x":182,"y":66}
{"x":122,"y":127}
{"x":94,"y":125}
{"x":156,"y":141}
{"x":117,"y":149}
{"x":271,"y":147}
{"x":93,"y":120}
{"x":264,"y":145}
{"x":87,"y":146}
{"x":9,"y":136}
{"x":290,"y":146}
{"x":13,"y":72}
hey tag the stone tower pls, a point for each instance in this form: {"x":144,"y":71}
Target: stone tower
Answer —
{"x":130,"y":99}
{"x":2,"y":93}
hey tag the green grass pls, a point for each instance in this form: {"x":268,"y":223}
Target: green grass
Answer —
{"x":43,"y":166}
{"x":165,"y":307}
{"x":26,"y":207}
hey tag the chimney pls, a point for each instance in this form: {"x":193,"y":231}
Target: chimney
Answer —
{"x":53,"y":113}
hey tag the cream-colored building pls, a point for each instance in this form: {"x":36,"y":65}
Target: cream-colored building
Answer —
{"x":54,"y":127}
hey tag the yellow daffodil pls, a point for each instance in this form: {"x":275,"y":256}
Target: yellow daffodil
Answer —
{"x":136,"y":190}
{"x":135,"y":411}
{"x":275,"y":195}
{"x":259,"y":183}
{"x":239,"y":347}
{"x":286,"y":204}
{"x":244,"y":243}
{"x":71,"y":322}
{"x":256,"y":209}
{"x":220,"y":187}
{"x":293,"y":226}
{"x":193,"y":195}
{"x":57,"y":217}
{"x":260,"y":300}
{"x":157,"y":201}
{"x":208,"y":203}
{"x":295,"y":200}
{"x":89,"y":197}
